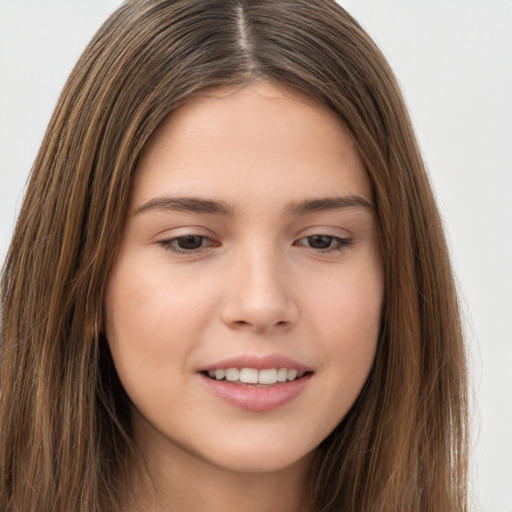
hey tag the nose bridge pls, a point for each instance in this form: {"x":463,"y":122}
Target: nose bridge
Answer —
{"x":260,"y":296}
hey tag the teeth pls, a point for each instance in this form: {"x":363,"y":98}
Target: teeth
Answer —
{"x":232,"y":374}
{"x":254,"y":376}
{"x":292,"y":374}
{"x":282,"y":375}
{"x":220,"y":374}
{"x":249,"y":375}
{"x":268,"y":376}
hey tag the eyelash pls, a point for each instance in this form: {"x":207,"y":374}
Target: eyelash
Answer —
{"x":336,"y":244}
{"x":172,"y":244}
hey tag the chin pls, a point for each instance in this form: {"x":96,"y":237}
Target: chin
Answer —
{"x":258,"y":462}
{"x":257,"y":456}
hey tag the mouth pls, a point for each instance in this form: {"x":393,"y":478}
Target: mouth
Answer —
{"x":256,"y":389}
{"x":257,"y":383}
{"x":255,"y":377}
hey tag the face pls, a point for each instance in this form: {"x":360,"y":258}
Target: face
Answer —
{"x":243,"y":310}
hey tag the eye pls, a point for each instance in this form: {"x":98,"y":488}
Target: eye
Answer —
{"x":187,"y":244}
{"x":324,"y":243}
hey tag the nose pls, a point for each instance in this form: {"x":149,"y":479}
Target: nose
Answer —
{"x":259,"y":296}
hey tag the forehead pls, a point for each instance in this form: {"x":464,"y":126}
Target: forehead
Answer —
{"x":259,"y":138}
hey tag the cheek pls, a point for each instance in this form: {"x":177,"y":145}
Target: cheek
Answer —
{"x":153,"y":320}
{"x":350,"y":305}
{"x":348,"y":318}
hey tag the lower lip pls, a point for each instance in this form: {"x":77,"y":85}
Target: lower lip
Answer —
{"x":257,"y":399}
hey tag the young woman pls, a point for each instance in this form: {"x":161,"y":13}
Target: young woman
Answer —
{"x":228,"y":288}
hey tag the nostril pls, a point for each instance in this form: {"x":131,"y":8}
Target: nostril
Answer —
{"x":244,"y":323}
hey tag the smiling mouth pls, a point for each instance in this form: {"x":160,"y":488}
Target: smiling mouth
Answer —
{"x":260,"y":389}
{"x":255,"y":377}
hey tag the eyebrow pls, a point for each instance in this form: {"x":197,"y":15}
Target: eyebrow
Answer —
{"x":328,"y":203}
{"x":217,"y":207}
{"x":187,"y":204}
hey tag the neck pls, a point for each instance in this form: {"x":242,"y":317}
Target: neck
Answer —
{"x":210,"y":489}
{"x":177,"y":481}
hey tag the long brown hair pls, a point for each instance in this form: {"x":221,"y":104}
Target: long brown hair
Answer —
{"x":64,"y":423}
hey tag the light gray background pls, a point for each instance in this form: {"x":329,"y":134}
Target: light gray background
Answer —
{"x":454,"y":61}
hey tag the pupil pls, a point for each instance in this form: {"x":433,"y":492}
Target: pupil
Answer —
{"x":190,"y":242}
{"x":320,"y":241}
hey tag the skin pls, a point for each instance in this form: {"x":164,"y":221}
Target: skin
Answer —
{"x":259,"y":283}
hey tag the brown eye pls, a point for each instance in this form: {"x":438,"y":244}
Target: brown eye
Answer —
{"x":190,"y":242}
{"x":320,"y":241}
{"x":324,"y":243}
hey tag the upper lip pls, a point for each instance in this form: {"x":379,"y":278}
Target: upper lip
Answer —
{"x":258,"y":362}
